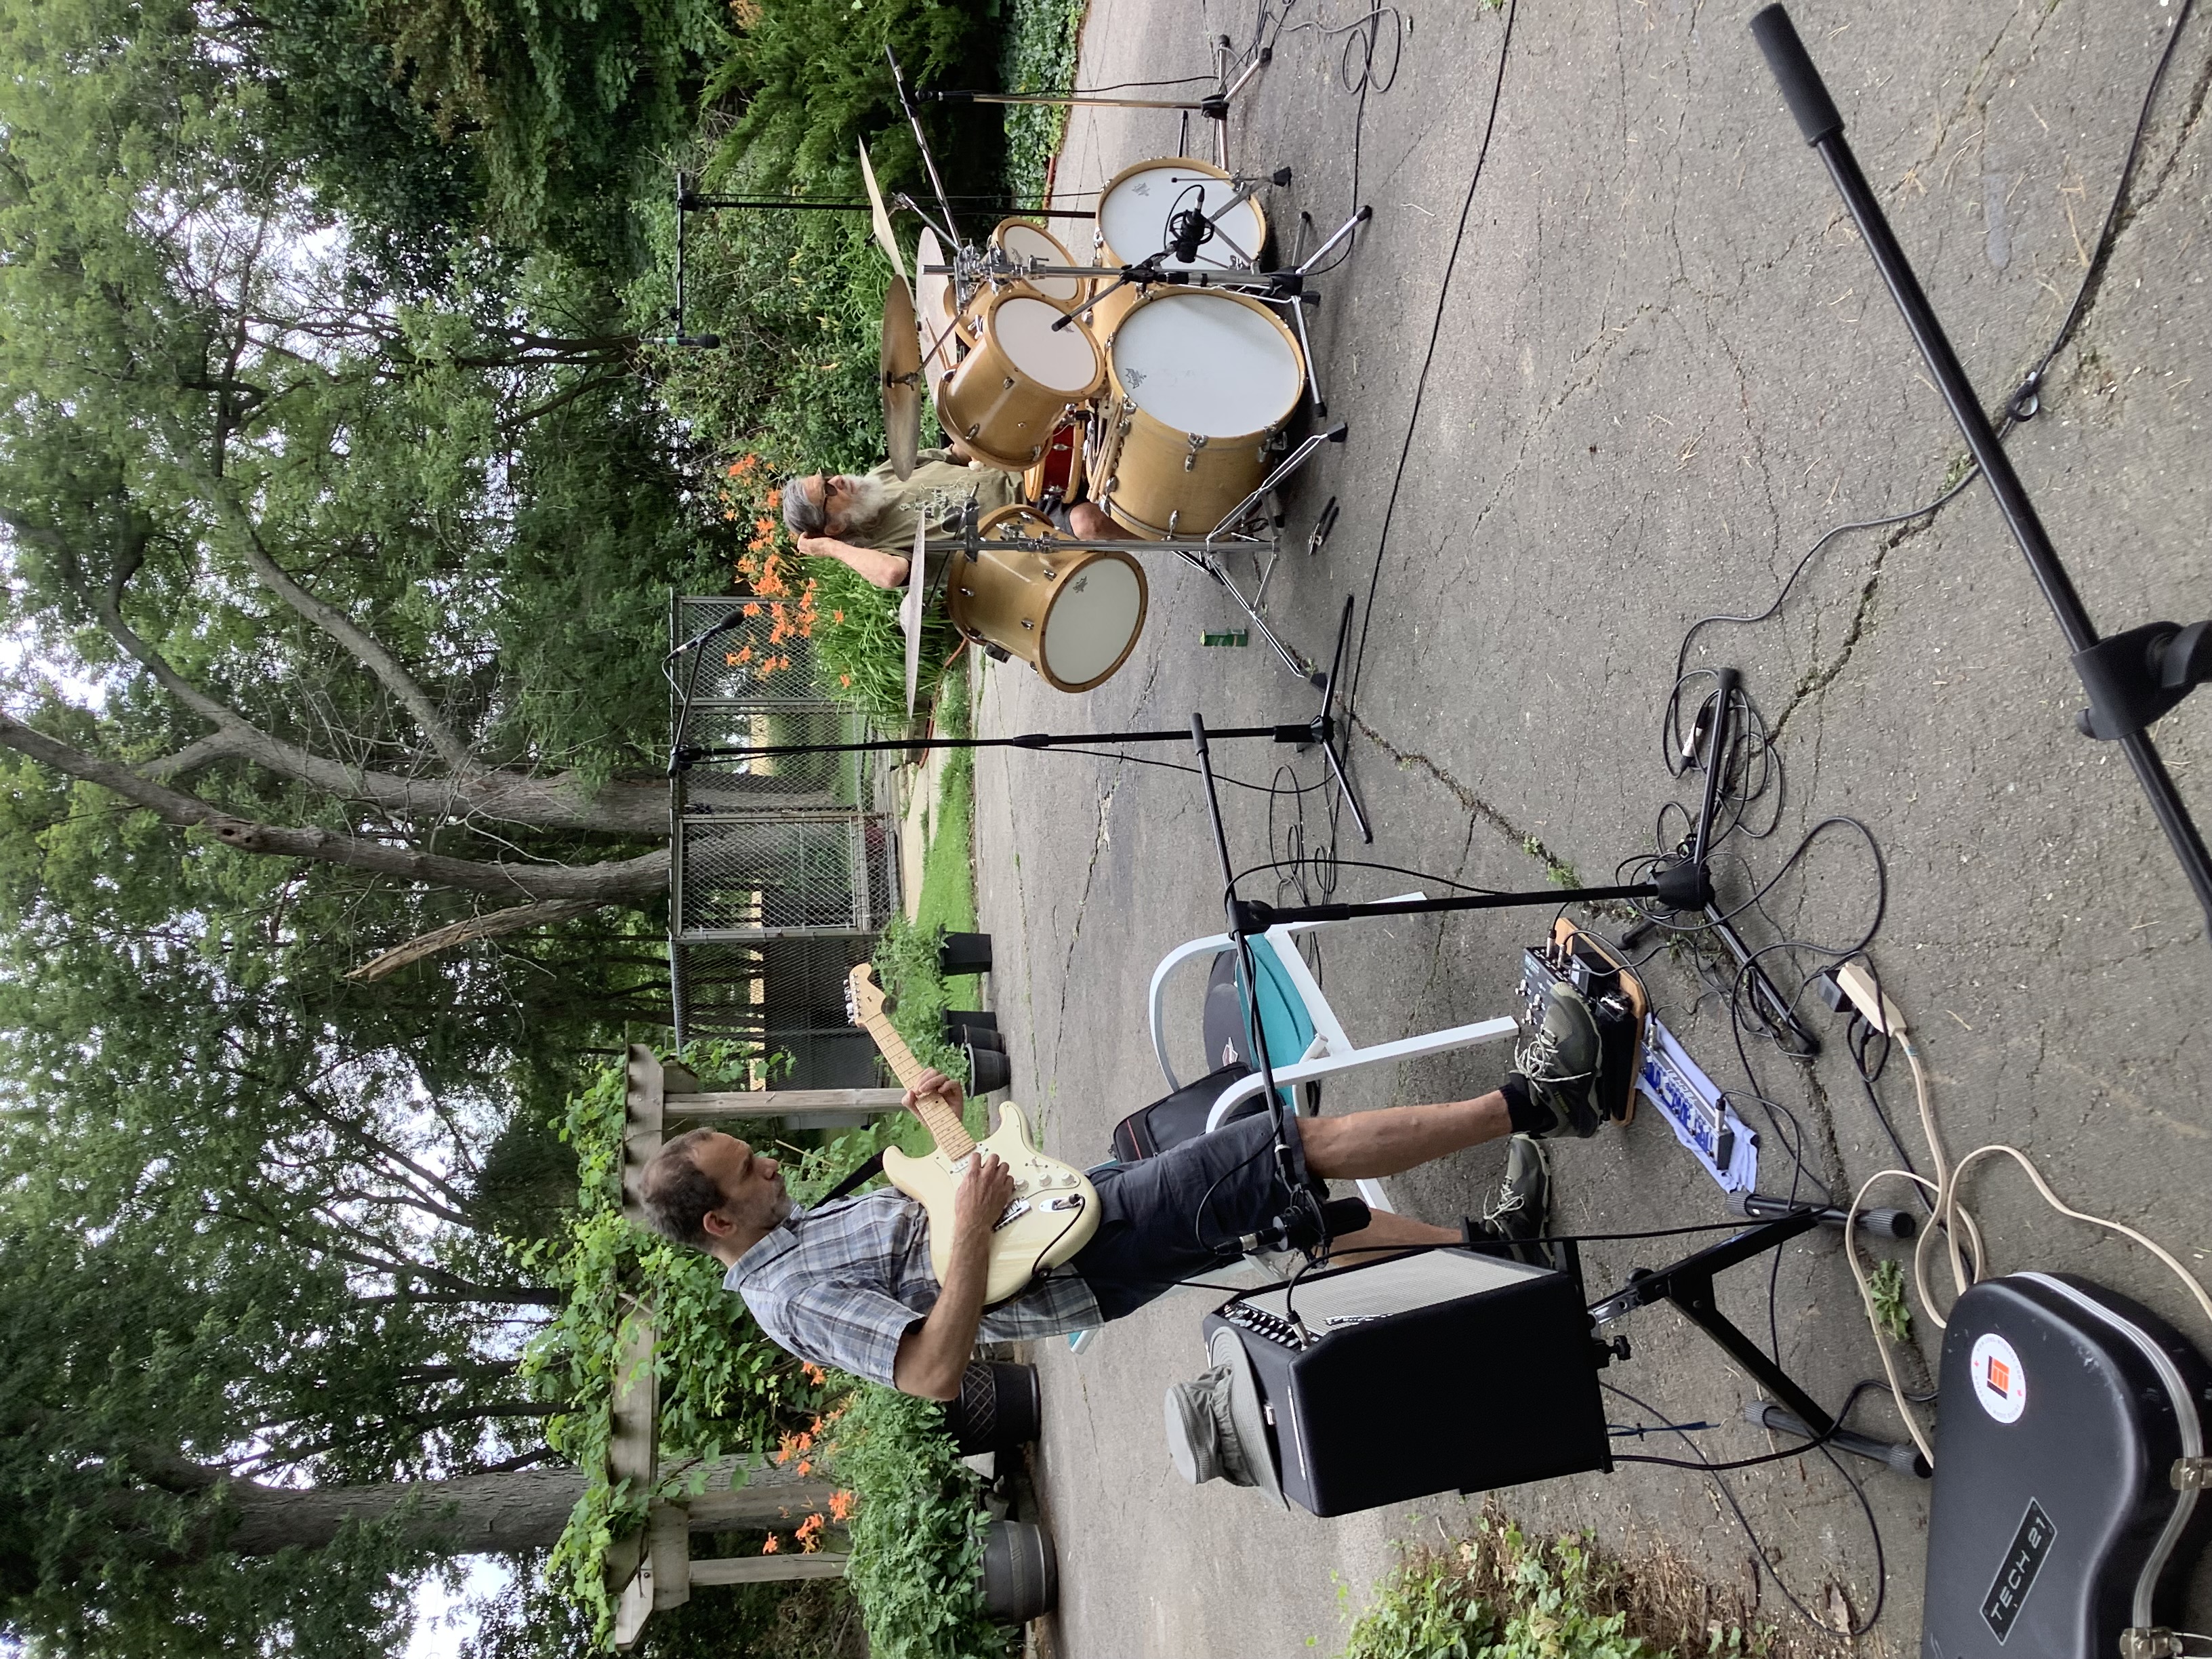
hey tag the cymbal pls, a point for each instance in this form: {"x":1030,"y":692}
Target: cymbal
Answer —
{"x":933,"y":320}
{"x":910,"y":612}
{"x":899,"y":372}
{"x":879,"y":213}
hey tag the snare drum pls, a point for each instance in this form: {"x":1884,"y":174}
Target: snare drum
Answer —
{"x":1201,"y":379}
{"x":1019,"y":240}
{"x":1060,"y":474}
{"x":1074,"y":617}
{"x":1012,"y":389}
{"x":1132,"y":225}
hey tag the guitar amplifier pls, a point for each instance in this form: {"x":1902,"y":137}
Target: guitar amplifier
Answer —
{"x":2066,"y":1513}
{"x":1441,"y":1371}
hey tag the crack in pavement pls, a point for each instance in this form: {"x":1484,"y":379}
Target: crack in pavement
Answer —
{"x":1478,"y":808}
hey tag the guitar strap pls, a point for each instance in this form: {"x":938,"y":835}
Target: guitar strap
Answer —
{"x":870,"y":1169}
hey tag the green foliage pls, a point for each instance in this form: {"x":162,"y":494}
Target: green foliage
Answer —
{"x":917,"y":1531}
{"x":1039,"y":56}
{"x":1886,"y":1285}
{"x":811,"y":81}
{"x":906,"y":964}
{"x":1423,"y":1610}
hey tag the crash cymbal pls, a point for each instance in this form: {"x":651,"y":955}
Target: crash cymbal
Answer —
{"x":899,"y":370}
{"x":933,"y":299}
{"x":910,"y":612}
{"x":879,"y":213}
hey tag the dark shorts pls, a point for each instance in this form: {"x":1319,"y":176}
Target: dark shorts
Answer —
{"x":1183,"y":1213}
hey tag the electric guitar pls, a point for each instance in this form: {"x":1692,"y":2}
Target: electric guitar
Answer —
{"x":1056,"y":1208}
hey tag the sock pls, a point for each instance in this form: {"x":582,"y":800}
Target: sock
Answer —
{"x":1525,"y":1115}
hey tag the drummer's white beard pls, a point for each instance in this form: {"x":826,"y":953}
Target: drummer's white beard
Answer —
{"x":869,"y":498}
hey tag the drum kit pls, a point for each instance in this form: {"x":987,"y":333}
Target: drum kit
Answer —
{"x":1156,"y":378}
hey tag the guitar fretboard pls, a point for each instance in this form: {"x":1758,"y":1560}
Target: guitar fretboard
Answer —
{"x":945,"y":1125}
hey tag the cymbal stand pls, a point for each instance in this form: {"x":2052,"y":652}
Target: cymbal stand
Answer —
{"x":922,"y":143}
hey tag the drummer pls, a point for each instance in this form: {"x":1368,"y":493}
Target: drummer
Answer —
{"x":868,"y":522}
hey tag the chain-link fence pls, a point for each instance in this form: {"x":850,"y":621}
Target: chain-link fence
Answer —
{"x":786,"y":866}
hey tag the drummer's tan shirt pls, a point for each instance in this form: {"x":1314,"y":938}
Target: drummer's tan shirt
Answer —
{"x":940,"y":487}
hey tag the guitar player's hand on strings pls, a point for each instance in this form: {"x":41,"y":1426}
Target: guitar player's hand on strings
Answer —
{"x":935,"y":1083}
{"x":987,"y":1186}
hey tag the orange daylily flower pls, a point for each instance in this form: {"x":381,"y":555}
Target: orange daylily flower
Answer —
{"x":841,"y":1505}
{"x":817,"y":1375}
{"x":770,"y":1547}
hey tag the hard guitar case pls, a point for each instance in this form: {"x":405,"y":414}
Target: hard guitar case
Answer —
{"x":2066,"y":1514}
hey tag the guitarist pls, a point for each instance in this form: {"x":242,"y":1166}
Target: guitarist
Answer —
{"x":848,"y":1283}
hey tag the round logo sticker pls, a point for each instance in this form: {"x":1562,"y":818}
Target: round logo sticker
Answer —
{"x":2000,"y":1381}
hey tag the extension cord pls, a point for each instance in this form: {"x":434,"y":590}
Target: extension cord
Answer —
{"x":1950,"y":1218}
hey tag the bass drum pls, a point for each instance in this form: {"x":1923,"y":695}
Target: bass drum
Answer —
{"x":1021,"y":240}
{"x":1201,"y":382}
{"x":1019,"y":381}
{"x":1074,"y":617}
{"x":1132,"y":225}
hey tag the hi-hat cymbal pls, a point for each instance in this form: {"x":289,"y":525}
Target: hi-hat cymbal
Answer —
{"x":899,"y":369}
{"x":879,"y":213}
{"x":910,"y":612}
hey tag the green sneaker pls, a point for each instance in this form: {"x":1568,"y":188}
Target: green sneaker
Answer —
{"x":1520,"y":1208}
{"x":1559,"y":1065}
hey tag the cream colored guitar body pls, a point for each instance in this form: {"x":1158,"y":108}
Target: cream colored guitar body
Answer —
{"x":1055,"y":1209}
{"x":1054,"y":1212}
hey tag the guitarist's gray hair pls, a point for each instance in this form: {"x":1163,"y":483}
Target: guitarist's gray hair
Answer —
{"x":677,"y":1193}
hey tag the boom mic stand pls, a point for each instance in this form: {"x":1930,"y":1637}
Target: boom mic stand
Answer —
{"x":2131,"y":679}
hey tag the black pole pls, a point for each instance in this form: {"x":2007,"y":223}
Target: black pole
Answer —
{"x":823,"y":205}
{"x":1822,"y":124}
{"x":1317,"y":731}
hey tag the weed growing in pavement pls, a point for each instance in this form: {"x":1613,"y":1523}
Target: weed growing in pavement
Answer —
{"x":1886,"y":1285}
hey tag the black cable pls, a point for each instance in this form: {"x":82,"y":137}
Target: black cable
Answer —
{"x":1706,"y":1466}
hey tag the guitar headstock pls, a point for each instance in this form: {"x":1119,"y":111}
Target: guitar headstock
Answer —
{"x":864,"y":998}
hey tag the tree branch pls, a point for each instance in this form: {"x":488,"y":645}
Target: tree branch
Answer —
{"x":490,"y":925}
{"x":622,"y":881}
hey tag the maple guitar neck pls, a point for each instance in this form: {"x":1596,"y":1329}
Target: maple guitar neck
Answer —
{"x":945,"y":1125}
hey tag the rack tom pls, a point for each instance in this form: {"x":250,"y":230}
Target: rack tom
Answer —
{"x":1018,"y":380}
{"x":1074,"y":617}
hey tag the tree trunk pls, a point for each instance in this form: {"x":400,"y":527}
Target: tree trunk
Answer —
{"x":478,"y":1514}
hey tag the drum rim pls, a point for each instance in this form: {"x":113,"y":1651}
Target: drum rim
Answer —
{"x":1121,"y":394}
{"x":1135,"y":167}
{"x":1084,"y":558}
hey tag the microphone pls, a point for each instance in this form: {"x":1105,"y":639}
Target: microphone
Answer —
{"x":1187,"y":231}
{"x":713,"y":630}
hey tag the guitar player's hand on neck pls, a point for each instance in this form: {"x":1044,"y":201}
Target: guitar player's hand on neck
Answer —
{"x":933,"y":1355}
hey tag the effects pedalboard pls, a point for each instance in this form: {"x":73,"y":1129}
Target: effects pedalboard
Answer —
{"x":1639,"y":1055}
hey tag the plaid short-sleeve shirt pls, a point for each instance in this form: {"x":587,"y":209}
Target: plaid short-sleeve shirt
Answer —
{"x":841,"y":1284}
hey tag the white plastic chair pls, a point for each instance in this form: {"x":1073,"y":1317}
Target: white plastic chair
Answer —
{"x":1330,"y":1049}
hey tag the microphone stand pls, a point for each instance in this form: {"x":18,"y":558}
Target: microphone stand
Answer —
{"x":2131,"y":679}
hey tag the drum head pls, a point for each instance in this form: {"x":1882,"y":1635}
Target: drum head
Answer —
{"x":1133,"y":216}
{"x":1024,"y":241}
{"x":1063,"y":360}
{"x":1207,"y":363}
{"x":1095,"y":618}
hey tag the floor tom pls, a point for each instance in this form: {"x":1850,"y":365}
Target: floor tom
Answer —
{"x":1200,"y":381}
{"x":1074,"y":617}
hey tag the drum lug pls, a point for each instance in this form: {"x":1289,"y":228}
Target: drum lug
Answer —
{"x":1197,"y":443}
{"x":997,"y":652}
{"x":1175,"y":521}
{"x":1050,"y":575}
{"x":1027,"y":623}
{"x":1007,"y":383}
